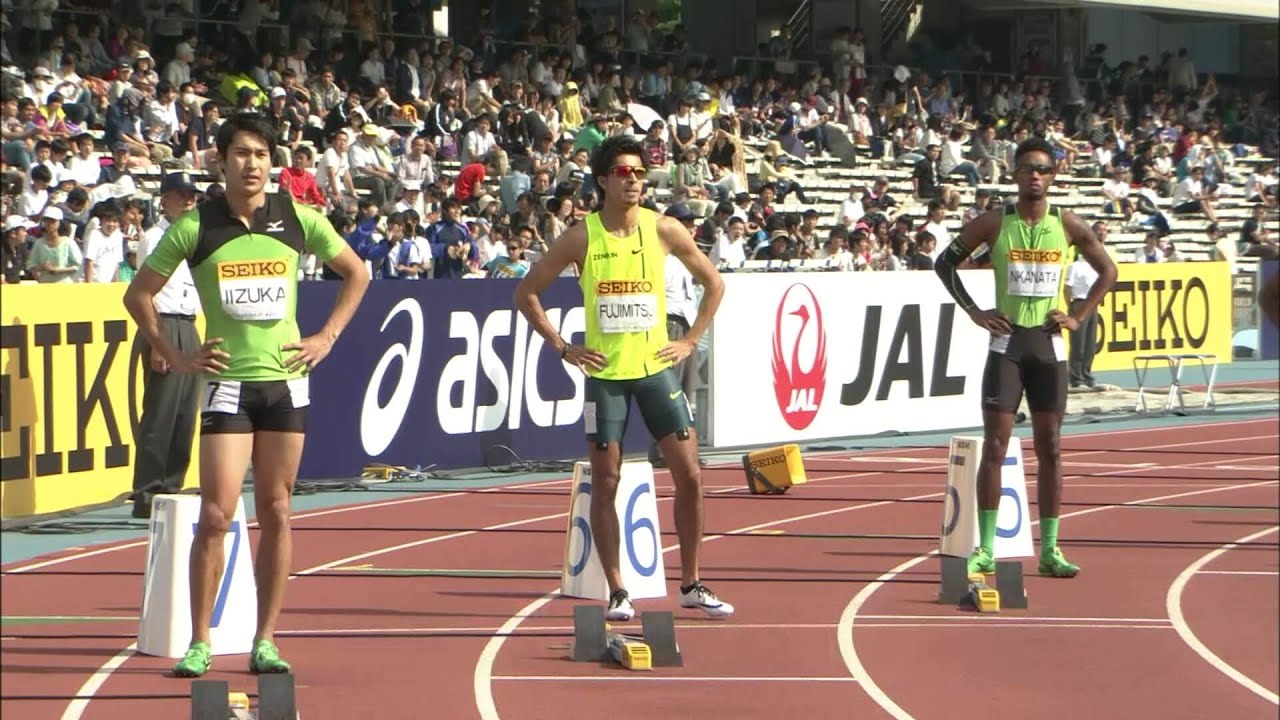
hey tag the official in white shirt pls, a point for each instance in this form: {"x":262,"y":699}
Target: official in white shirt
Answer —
{"x":682,"y":312}
{"x":170,"y":406}
{"x":1084,"y":340}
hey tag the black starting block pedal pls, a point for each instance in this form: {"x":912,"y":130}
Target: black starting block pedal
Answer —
{"x":590,"y":636}
{"x":656,"y":647}
{"x":210,"y":700}
{"x":955,"y":580}
{"x":660,"y":635}
{"x":276,"y":697}
{"x":1013,"y":593}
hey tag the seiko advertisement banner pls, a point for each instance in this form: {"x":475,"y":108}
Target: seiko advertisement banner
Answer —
{"x":440,"y":373}
{"x":806,"y":356}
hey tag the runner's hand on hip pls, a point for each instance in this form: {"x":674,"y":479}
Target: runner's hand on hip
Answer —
{"x":1058,"y":320}
{"x":582,"y":356}
{"x":993,"y":321}
{"x":208,"y":359}
{"x":676,"y":350}
{"x":307,"y":352}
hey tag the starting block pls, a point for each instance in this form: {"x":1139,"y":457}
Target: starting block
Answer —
{"x":983,"y":598}
{"x":773,"y":470}
{"x":212,"y":700}
{"x":960,"y":588}
{"x":656,"y":647}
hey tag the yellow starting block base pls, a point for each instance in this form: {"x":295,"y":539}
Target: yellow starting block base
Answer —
{"x":773,"y":470}
{"x":986,"y":599}
{"x":630,"y":653}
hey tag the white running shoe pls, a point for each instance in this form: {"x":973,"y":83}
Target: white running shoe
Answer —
{"x":699,"y":596}
{"x":620,"y":607}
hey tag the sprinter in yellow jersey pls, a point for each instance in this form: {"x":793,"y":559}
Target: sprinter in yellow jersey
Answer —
{"x":1030,"y":243}
{"x":621,"y":251}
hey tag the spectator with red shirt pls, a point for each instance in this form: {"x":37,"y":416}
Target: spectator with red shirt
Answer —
{"x":469,"y":188}
{"x":298,"y":181}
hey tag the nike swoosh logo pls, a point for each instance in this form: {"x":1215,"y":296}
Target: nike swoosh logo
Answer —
{"x":675,"y":394}
{"x":637,"y":251}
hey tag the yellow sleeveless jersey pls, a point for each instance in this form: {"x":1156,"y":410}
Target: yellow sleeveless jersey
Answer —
{"x":1029,"y":263}
{"x":624,"y":295}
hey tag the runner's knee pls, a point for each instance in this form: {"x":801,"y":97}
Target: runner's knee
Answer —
{"x":215,"y":520}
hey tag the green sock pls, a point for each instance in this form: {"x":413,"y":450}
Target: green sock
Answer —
{"x":1048,"y":535}
{"x":987,"y":529}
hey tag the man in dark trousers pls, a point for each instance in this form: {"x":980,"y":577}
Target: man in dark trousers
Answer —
{"x":682,"y":311}
{"x":169,"y":400}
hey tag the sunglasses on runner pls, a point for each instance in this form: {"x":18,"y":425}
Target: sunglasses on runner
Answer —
{"x":1038,"y":169}
{"x":626,"y":171}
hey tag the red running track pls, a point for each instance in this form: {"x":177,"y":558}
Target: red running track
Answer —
{"x":826,"y":627}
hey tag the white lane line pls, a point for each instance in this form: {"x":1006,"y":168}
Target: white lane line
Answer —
{"x":293,"y":518}
{"x":844,"y":633}
{"x":483,"y":689}
{"x":91,"y":686}
{"x":669,"y":678}
{"x":1173,"y":605}
{"x":1261,"y":573}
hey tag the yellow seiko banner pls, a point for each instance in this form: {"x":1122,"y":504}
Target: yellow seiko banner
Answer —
{"x":1165,"y":309}
{"x":70,"y":397}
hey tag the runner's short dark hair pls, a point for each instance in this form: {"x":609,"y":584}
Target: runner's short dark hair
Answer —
{"x":607,"y":153}
{"x":245,"y":122}
{"x":1030,"y":145}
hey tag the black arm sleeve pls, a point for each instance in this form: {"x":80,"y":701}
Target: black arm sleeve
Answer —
{"x":945,"y":266}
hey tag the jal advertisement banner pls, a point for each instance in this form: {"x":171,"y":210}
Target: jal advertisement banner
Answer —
{"x":441,"y":373}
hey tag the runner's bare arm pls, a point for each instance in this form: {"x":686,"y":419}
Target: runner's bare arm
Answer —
{"x":309,"y":351}
{"x":139,"y":301}
{"x":1088,"y":245}
{"x":680,"y":243}
{"x":982,"y":229}
{"x":1269,"y":298}
{"x":569,"y":248}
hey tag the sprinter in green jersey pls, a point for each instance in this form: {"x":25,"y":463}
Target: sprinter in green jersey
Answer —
{"x":1030,"y":244}
{"x":243,"y":252}
{"x":621,"y":251}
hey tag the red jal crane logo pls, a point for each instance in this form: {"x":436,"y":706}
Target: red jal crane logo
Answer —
{"x":798,"y":386}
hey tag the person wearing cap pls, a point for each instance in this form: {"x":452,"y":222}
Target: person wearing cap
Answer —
{"x":14,"y":251}
{"x":625,"y":352}
{"x":169,"y":399}
{"x":243,"y":250}
{"x":370,"y":169}
{"x":54,"y":257}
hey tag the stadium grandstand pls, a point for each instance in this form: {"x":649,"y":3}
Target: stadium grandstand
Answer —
{"x":385,"y":115}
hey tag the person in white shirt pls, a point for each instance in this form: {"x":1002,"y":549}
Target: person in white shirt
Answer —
{"x":170,"y":405}
{"x":1189,"y":195}
{"x":371,"y":169}
{"x":835,"y":253}
{"x":333,"y":174}
{"x":103,"y":247}
{"x":682,"y":313}
{"x":416,"y":165}
{"x":935,"y":227}
{"x":1084,"y":340}
{"x":1150,"y":251}
{"x":730,"y":247}
{"x":405,"y":260}
{"x":1116,"y":191}
{"x":851,"y":210}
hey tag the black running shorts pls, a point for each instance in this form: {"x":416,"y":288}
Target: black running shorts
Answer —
{"x":243,"y":406}
{"x":662,"y":402}
{"x":1034,"y":361}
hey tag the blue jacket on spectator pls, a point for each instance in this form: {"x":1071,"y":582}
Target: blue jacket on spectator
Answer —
{"x":441,"y":235}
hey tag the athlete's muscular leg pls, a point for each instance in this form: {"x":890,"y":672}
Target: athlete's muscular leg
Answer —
{"x":606,"y":471}
{"x":224,"y":458}
{"x":680,"y":450}
{"x":997,"y":426}
{"x":276,"y":456}
{"x":1046,"y":428}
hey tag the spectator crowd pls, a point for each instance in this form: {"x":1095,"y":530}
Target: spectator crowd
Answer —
{"x":435,"y":158}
